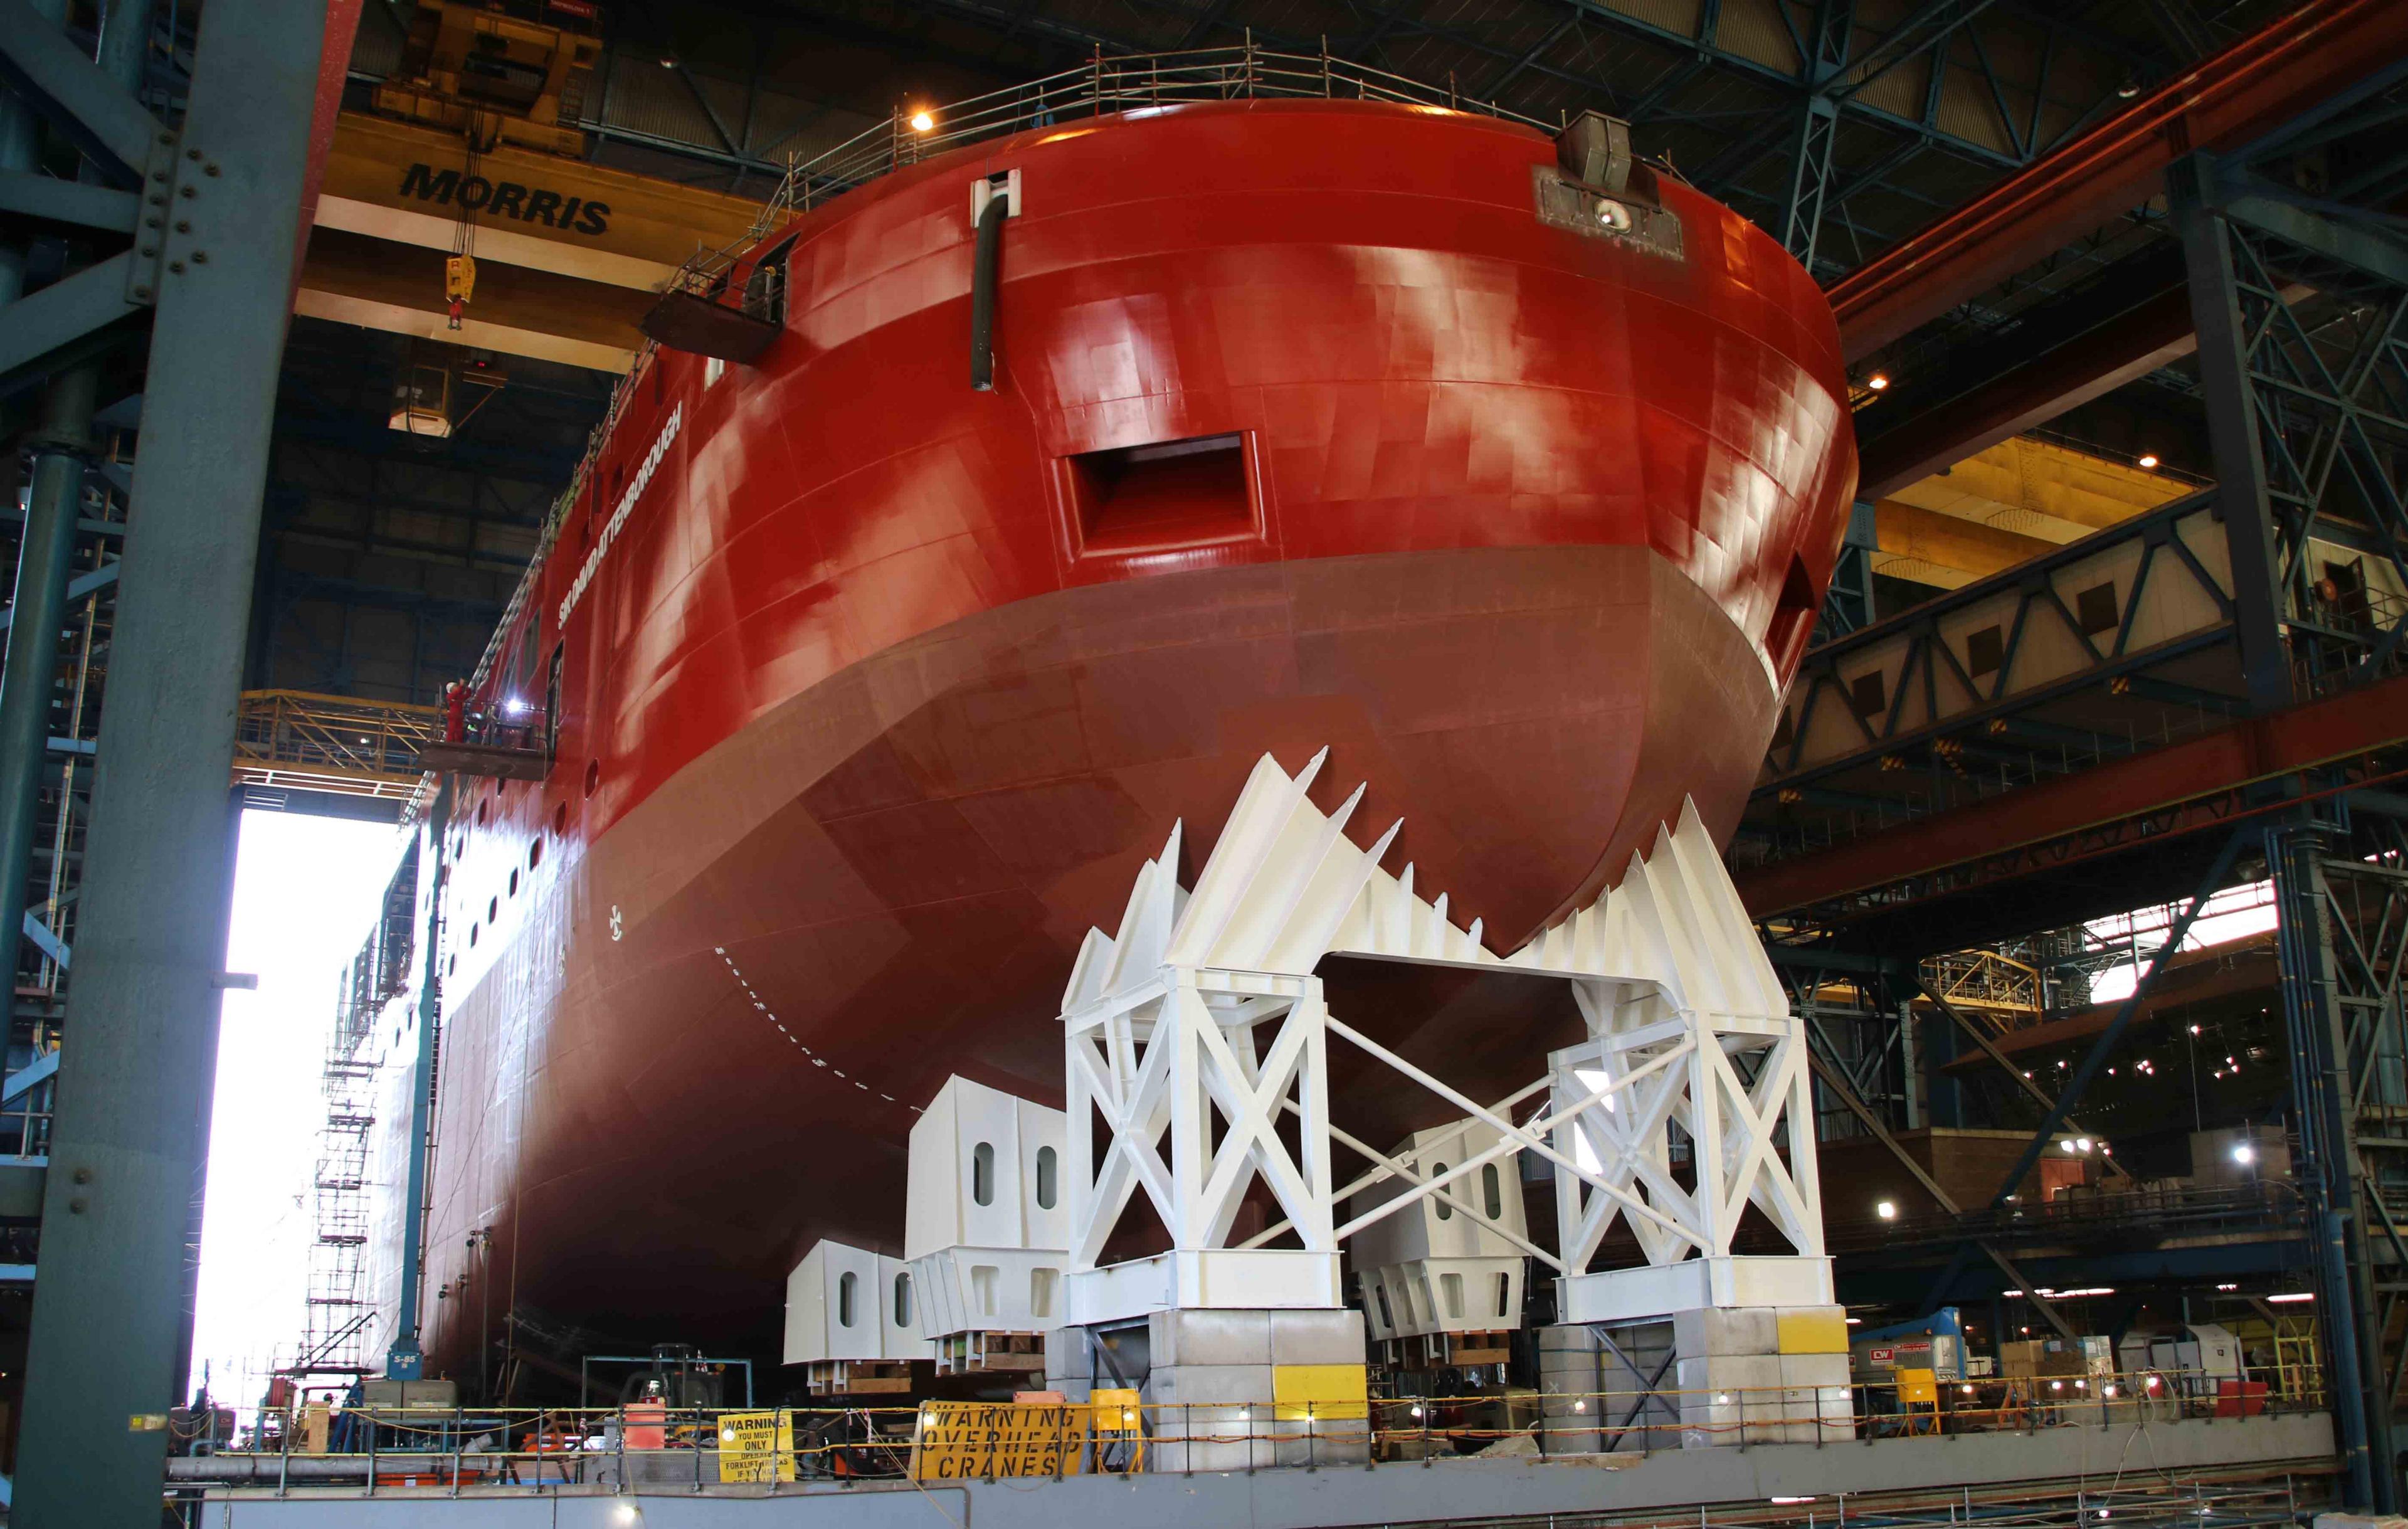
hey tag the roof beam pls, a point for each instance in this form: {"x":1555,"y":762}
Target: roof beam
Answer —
{"x":2323,"y":49}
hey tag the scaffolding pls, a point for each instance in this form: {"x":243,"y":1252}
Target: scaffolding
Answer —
{"x":340,"y":1309}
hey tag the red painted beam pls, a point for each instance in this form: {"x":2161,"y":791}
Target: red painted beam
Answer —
{"x":2297,"y":738}
{"x":2252,"y":87}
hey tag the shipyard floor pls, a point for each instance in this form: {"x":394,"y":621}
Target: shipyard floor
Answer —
{"x":2227,"y":1472}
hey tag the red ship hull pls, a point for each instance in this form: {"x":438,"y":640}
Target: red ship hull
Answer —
{"x":878,"y":690}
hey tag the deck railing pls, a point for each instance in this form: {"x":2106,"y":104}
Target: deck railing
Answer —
{"x":638,"y":1446}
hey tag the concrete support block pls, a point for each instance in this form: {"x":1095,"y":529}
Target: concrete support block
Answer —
{"x":1835,"y":1409}
{"x":1729,"y":1372}
{"x":1069,"y":1356}
{"x":1720,"y":1330}
{"x":1218,"y":1385}
{"x":1317,"y":1337}
{"x":1199,"y":1336}
{"x":1814,"y":1369}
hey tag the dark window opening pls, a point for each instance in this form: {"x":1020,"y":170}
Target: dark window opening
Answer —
{"x":1867,"y":695}
{"x":1986,"y":651}
{"x":2344,"y":589}
{"x":1164,"y":497}
{"x":2094,"y":610}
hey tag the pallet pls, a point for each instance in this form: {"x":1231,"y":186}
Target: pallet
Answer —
{"x":983,"y":1353}
{"x":857,"y":1376}
{"x":1441,"y":1351}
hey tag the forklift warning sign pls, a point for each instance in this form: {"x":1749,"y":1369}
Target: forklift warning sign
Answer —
{"x":756,"y":1446}
{"x":960,"y":1441}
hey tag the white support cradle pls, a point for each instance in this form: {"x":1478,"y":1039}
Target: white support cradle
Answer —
{"x":1206,"y":1002}
{"x":850,"y":1319}
{"x":984,"y":1223}
{"x":1454,"y":1262}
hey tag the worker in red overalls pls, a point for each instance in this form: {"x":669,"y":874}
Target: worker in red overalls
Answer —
{"x":455,"y":713}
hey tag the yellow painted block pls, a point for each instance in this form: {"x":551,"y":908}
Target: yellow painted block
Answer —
{"x":1116,"y":1410}
{"x":1822,"y":1332}
{"x":1918,"y":1386}
{"x":1324,"y":1392}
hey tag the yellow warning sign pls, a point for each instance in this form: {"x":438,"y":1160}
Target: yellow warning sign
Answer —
{"x":967,"y":1441}
{"x":754,"y":1445}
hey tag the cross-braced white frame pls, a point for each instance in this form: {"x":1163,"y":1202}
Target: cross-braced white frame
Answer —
{"x":1206,"y":1002}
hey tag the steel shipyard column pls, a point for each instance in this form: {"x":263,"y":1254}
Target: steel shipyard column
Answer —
{"x":2344,"y":1031}
{"x":46,"y":552}
{"x":44,"y":558}
{"x":2225,"y":382}
{"x":134,"y":1091}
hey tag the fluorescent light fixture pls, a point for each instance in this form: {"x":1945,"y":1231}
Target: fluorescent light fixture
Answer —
{"x":2289,"y":1297}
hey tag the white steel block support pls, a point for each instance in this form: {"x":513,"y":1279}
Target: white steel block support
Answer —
{"x":1206,"y":1002}
{"x":1251,"y":1046}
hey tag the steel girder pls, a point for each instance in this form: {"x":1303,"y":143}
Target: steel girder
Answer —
{"x":1818,"y":128}
{"x":2341,"y":900}
{"x":105,"y":1357}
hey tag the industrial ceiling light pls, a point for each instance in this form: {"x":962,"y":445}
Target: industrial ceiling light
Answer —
{"x":2083,"y":1142}
{"x":668,"y":61}
{"x":1877,"y":381}
{"x":1887,"y":1210}
{"x":2291,"y":1296}
{"x":2245,"y":1153}
{"x":2148,"y":459}
{"x":922,"y":122}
